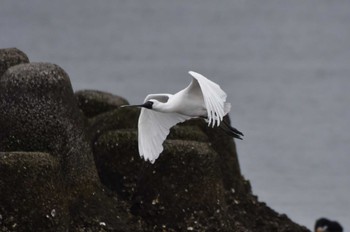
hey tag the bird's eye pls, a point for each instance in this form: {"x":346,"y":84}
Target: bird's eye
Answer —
{"x":148,"y":104}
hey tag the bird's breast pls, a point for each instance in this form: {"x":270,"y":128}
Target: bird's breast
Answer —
{"x":192,"y":110}
{"x":188,"y":104}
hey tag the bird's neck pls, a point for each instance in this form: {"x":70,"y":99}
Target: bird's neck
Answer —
{"x":163,"y":107}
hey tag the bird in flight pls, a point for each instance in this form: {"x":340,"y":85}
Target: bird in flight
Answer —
{"x":201,"y":99}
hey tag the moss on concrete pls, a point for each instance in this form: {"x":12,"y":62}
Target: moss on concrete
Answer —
{"x":93,"y":102}
{"x":61,"y":170}
{"x":32,"y":192}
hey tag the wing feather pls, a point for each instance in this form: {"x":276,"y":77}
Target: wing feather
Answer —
{"x":214,"y":98}
{"x":153,"y":128}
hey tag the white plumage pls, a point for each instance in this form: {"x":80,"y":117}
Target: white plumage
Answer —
{"x":160,"y":112}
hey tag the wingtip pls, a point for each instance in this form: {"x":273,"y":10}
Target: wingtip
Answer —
{"x":147,"y":159}
{"x":150,"y":160}
{"x":193,"y":73}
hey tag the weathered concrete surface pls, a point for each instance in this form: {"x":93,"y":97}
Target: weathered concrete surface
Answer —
{"x":31,"y":189}
{"x":194,"y":185}
{"x":61,"y":170}
{"x":11,"y":57}
{"x":46,"y":162}
{"x":93,"y":102}
{"x":39,"y":113}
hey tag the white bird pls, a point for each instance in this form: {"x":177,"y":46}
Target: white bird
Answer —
{"x":201,"y":99}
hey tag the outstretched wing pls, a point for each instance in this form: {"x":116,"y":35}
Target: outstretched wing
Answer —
{"x":153,"y":129}
{"x":214,"y":97}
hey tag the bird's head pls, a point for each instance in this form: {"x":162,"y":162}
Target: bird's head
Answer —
{"x":148,"y":104}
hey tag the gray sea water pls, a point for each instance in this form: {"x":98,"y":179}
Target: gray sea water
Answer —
{"x":285,"y":66}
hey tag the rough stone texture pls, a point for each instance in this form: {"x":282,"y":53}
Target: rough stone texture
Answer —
{"x":93,"y":102}
{"x":47,"y":162}
{"x":194,"y":185}
{"x":35,"y":177}
{"x":10,"y":57}
{"x":39,"y":113}
{"x":63,"y":171}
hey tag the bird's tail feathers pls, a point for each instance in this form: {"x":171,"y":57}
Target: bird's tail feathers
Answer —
{"x":231,"y":131}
